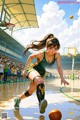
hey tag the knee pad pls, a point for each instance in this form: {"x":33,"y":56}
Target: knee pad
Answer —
{"x":26,"y":93}
{"x":40,"y":91}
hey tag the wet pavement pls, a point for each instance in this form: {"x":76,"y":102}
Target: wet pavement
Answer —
{"x":66,"y":99}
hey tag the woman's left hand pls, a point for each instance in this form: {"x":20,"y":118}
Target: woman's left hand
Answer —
{"x":64,"y":82}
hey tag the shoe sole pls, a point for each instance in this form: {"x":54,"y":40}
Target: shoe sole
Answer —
{"x":43,"y":106}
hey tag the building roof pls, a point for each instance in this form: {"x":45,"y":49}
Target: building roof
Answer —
{"x":22,"y":13}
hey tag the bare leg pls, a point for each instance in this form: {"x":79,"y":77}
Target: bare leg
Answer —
{"x":36,"y":83}
{"x":30,"y":90}
{"x":40,"y":90}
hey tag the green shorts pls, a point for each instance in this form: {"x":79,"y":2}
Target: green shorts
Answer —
{"x":38,"y":67}
{"x":30,"y":68}
{"x":28,"y":71}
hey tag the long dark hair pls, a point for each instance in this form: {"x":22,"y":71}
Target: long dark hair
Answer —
{"x":37,"y":45}
{"x":53,"y":42}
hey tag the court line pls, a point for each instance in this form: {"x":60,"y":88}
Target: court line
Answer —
{"x":68,"y":95}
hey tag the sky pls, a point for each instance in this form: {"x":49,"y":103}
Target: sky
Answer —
{"x":53,"y":16}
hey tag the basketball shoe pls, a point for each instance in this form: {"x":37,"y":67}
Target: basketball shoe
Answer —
{"x":42,"y":106}
{"x":16,"y":103}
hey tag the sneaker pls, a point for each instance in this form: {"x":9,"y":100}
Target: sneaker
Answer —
{"x":16,"y":103}
{"x":43,"y":106}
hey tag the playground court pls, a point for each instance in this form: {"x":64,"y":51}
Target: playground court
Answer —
{"x":66,"y":99}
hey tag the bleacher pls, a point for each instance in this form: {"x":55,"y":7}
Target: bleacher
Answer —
{"x":11,"y":53}
{"x":67,"y":67}
{"x":11,"y":48}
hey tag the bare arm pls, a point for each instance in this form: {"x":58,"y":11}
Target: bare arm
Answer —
{"x":29,"y":60}
{"x":37,"y":55}
{"x":60,"y":71}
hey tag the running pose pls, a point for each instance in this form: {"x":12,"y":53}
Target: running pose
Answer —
{"x":35,"y":71}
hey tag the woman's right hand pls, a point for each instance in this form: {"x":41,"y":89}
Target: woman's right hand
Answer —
{"x":24,"y":73}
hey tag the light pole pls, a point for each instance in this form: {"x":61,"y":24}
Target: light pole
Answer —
{"x":72,"y":67}
{"x":72,"y":74}
{"x":72,"y":53}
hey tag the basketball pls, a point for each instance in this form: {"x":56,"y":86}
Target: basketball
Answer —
{"x":55,"y":115}
{"x":71,"y":17}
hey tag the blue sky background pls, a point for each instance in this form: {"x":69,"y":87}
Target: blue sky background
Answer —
{"x":54,"y":18}
{"x":70,"y":9}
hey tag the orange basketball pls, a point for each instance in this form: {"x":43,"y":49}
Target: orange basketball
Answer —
{"x":71,"y":17}
{"x":55,"y":115}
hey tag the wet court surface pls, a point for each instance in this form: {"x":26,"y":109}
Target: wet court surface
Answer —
{"x":29,"y":110}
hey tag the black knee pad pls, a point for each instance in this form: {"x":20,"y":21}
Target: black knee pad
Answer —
{"x":26,"y":93}
{"x":40,"y":91}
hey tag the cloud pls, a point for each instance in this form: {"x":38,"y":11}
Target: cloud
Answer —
{"x":78,"y":0}
{"x":52,"y":21}
{"x":79,"y":13}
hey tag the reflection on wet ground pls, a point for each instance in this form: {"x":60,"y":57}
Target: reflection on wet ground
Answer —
{"x":29,"y":110}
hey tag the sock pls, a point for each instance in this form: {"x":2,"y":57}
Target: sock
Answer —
{"x":40,"y":92}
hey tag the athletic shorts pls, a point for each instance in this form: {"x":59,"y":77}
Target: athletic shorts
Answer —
{"x":37,"y":67}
